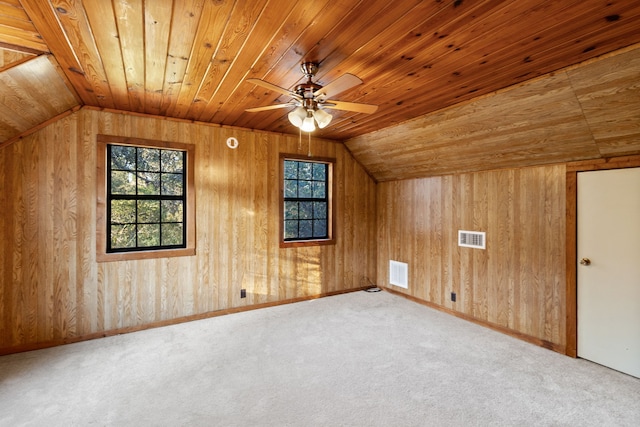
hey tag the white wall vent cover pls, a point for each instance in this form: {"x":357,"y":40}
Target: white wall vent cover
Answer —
{"x":399,"y":274}
{"x":472,"y":239}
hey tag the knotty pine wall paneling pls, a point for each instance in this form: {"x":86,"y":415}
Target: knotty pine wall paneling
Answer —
{"x":516,"y":285}
{"x":52,"y":290}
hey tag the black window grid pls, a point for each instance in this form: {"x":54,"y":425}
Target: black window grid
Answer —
{"x":140,"y":197}
{"x":323,"y":220}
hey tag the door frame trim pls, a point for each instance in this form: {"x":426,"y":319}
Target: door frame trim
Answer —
{"x":572,"y":237}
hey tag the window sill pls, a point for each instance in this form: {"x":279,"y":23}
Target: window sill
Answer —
{"x":127,"y":256}
{"x":303,"y":243}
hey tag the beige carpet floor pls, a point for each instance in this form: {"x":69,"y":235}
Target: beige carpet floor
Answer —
{"x":358,"y":359}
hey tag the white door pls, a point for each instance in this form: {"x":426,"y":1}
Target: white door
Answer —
{"x":609,"y":268}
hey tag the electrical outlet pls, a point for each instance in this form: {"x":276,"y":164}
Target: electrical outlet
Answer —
{"x":453,"y":296}
{"x":243,"y":293}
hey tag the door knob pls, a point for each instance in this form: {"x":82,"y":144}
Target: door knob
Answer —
{"x":585,"y":261}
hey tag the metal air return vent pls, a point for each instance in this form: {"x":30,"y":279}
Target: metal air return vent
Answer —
{"x":472,"y":239}
{"x":399,"y":274}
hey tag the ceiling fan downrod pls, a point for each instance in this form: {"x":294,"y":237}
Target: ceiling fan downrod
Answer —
{"x":309,"y":69}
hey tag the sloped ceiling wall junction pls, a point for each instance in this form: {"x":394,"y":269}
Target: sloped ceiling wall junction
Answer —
{"x":586,"y":112}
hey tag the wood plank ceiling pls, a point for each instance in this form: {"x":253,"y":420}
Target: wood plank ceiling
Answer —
{"x":189,"y":59}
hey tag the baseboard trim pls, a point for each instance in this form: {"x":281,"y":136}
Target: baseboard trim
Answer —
{"x":103,"y":334}
{"x":519,"y":335}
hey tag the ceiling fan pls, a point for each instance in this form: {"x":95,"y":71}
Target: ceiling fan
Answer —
{"x":311,"y":99}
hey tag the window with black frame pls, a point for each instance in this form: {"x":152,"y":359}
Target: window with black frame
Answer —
{"x":306,"y":200}
{"x":146,"y":198}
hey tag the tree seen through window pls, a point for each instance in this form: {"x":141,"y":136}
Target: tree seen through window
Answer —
{"x":146,"y":198}
{"x":306,"y":200}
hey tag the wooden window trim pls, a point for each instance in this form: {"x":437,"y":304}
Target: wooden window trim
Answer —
{"x":331,"y":222}
{"x":101,"y":197}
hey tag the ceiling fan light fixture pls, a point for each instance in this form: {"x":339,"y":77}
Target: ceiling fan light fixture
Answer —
{"x":322,"y":117}
{"x":297,"y":115}
{"x":308,"y":124}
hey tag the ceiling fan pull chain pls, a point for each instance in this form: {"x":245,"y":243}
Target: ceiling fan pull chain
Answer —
{"x":309,"y":154}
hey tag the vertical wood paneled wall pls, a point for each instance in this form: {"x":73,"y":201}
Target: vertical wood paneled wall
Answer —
{"x":52,"y":289}
{"x":518,"y":283}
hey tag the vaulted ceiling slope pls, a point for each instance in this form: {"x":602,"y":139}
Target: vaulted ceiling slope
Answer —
{"x":189,"y":59}
{"x":587,"y":112}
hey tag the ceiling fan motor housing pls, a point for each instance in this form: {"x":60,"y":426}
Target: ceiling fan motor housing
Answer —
{"x":307,"y":90}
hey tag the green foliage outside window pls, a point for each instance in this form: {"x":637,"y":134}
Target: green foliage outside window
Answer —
{"x":305,"y":200}
{"x":146,"y":196}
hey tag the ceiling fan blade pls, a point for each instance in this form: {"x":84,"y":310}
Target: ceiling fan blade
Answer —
{"x":342,"y":83}
{"x":350,"y":106}
{"x":268,"y":107}
{"x":272,"y":87}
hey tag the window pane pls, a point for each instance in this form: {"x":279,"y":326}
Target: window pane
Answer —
{"x":172,"y":184}
{"x":290,"y":188}
{"x":148,"y":183}
{"x":123,"y":158}
{"x":172,"y":161}
{"x":304,"y":189}
{"x":172,"y":211}
{"x":148,"y":235}
{"x":123,"y":182}
{"x":306,"y":210}
{"x":305,"y":229}
{"x":172,"y":234}
{"x":148,"y":211}
{"x":123,"y":211}
{"x":319,"y":171}
{"x":306,"y":193}
{"x":290,"y":210}
{"x":320,"y":210}
{"x":291,"y":229}
{"x":318,"y":190}
{"x":149,"y":159}
{"x":305,"y":170}
{"x":290,"y":169}
{"x":123,"y":236}
{"x":146,"y":195}
{"x":320,"y":228}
